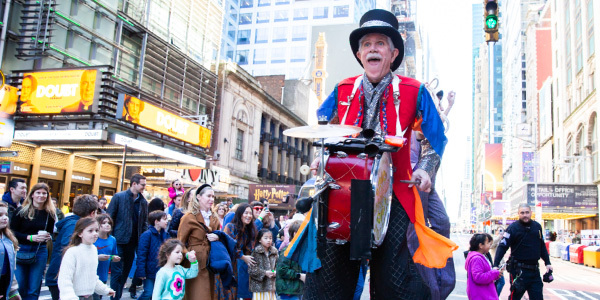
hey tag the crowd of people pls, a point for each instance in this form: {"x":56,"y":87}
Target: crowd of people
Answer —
{"x":189,"y":247}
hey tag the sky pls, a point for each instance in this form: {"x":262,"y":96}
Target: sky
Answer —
{"x":447,"y":24}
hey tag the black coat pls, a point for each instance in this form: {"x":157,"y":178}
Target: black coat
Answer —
{"x":121,"y":211}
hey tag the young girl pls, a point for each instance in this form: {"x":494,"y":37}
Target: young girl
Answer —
{"x":77,"y":278}
{"x":8,"y":253}
{"x":170,"y":279}
{"x":290,"y":279}
{"x":262,"y":274}
{"x":480,"y":275}
{"x":107,"y":248}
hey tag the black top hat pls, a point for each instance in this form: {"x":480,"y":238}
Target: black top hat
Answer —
{"x":379,"y":21}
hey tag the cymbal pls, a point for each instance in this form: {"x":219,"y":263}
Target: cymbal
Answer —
{"x":322,"y":131}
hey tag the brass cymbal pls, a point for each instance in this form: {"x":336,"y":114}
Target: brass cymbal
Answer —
{"x":322,"y":131}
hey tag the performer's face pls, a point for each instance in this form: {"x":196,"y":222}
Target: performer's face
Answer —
{"x":376,"y":56}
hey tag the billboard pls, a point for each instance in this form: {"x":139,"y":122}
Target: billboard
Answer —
{"x":8,"y":107}
{"x":528,"y":167}
{"x":493,"y":171}
{"x":60,"y":92}
{"x":136,"y":111}
{"x":280,"y":196}
{"x":564,"y":196}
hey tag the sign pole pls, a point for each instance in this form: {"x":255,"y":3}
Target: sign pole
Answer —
{"x":123,"y":167}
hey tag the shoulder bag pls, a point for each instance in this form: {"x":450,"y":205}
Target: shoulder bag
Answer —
{"x":29,"y":258}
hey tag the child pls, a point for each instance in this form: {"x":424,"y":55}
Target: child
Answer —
{"x":77,"y":275}
{"x":480,"y":275}
{"x":8,"y":253}
{"x":262,"y":273}
{"x":147,"y":252}
{"x":83,"y":206}
{"x":290,"y":279}
{"x":170,"y":279}
{"x":107,"y":248}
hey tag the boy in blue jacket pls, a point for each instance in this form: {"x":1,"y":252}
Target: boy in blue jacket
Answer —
{"x":147,"y":252}
{"x":83,"y":206}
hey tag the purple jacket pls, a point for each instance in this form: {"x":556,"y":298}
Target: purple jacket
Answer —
{"x":480,"y":277}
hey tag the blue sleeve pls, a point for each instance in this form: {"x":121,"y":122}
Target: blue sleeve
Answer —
{"x":328,"y":108}
{"x":65,"y":235}
{"x":432,"y":125}
{"x":113,"y":241}
{"x":142,"y":253}
{"x":259,"y":224}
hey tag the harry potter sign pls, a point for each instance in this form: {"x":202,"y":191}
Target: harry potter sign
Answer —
{"x":280,"y":196}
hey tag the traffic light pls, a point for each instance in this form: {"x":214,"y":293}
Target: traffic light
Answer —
{"x":491,"y":12}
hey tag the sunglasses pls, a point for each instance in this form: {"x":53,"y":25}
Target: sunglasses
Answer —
{"x":258,"y":208}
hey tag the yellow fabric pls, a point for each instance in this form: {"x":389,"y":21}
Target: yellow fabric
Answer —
{"x":434,"y":249}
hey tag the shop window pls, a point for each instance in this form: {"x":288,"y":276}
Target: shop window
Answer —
{"x":239,"y":145}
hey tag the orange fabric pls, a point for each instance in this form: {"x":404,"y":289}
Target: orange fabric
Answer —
{"x":434,"y":249}
{"x":417,"y":124}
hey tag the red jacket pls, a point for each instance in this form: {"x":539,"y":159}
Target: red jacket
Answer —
{"x":409,"y":91}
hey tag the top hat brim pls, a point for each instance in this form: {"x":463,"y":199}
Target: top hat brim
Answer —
{"x":358,"y":33}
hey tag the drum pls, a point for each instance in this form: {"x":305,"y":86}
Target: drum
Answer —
{"x":345,"y":163}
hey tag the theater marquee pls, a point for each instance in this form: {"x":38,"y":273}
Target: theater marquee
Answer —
{"x":136,"y":111}
{"x":56,"y":92}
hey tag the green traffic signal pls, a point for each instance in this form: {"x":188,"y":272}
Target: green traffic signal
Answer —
{"x":491,"y":21}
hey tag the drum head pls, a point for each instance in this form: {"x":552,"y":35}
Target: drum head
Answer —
{"x":381,"y":180}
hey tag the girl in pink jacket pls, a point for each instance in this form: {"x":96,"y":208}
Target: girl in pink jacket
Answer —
{"x":480,"y":275}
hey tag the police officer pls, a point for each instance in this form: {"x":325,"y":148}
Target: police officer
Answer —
{"x":526,"y":243}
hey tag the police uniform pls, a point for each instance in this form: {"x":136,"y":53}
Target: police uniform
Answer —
{"x":526,"y":242}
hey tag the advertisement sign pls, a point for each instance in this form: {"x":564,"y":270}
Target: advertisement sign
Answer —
{"x":60,"y":92}
{"x":136,"y":111}
{"x":564,"y":196}
{"x":492,"y":175}
{"x":545,"y":114}
{"x":501,"y":208}
{"x":5,"y":167}
{"x":528,"y":167}
{"x":279,"y":195}
{"x":8,"y":107}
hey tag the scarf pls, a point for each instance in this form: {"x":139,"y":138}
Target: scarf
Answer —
{"x":372,"y":96}
{"x":206,"y":215}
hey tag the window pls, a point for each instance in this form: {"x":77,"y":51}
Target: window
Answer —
{"x":341,"y":11}
{"x":262,"y":35}
{"x":282,"y":2}
{"x":239,"y":145}
{"x":298,"y":54}
{"x":260,"y":56}
{"x":279,"y":34}
{"x":320,"y":12}
{"x":233,"y":13}
{"x":264,"y":2}
{"x":580,"y":161}
{"x":590,"y":27}
{"x":231,"y":31}
{"x":242,"y":57}
{"x":246,"y":18}
{"x":246,"y":3}
{"x":578,"y":40}
{"x":299,"y":33}
{"x":278,"y":55}
{"x":301,"y":14}
{"x":594,"y":147}
{"x":281,"y":15}
{"x":263,"y":17}
{"x":243,"y":37}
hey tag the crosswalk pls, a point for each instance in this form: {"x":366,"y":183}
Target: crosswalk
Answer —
{"x":570,"y":294}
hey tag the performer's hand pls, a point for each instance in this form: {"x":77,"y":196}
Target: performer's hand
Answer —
{"x":451,"y":97}
{"x":314,"y":166}
{"x":421,"y":175}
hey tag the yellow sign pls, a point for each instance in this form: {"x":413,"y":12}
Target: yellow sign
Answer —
{"x":136,"y":111}
{"x":8,"y":100}
{"x":69,"y":91}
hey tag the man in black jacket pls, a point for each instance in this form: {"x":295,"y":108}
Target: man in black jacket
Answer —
{"x":129,"y":211}
{"x":526,"y":242}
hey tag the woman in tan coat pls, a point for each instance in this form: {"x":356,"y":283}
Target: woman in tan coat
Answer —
{"x":195,"y":234}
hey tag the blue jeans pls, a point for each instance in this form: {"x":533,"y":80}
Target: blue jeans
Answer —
{"x":120,"y":270}
{"x":148,"y":288}
{"x":290,"y":297}
{"x":500,"y":284}
{"x":30,"y":276}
